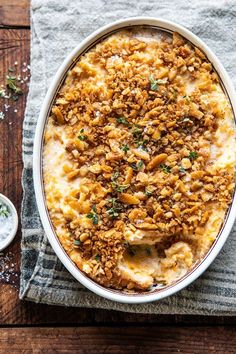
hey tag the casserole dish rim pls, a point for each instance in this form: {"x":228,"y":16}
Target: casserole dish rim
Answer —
{"x":55,"y":85}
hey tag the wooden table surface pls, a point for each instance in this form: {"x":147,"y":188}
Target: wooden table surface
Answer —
{"x":34,"y":328}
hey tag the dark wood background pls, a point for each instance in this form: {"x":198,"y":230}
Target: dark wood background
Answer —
{"x":34,"y":328}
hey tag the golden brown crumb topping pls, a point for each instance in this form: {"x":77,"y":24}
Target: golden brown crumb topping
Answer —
{"x":139,"y":119}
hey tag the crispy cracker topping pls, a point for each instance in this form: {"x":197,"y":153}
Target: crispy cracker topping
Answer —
{"x":139,"y":143}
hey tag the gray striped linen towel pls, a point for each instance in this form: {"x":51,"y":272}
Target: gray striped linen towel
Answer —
{"x":57,"y":27}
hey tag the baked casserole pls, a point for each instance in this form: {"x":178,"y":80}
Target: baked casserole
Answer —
{"x":139,"y":159}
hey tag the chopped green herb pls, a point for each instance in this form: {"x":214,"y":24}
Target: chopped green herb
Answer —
{"x":140,"y":165}
{"x":125,"y":148}
{"x":193,"y":155}
{"x":11,"y":84}
{"x":166,"y":169}
{"x":93,"y":215}
{"x":77,"y":242}
{"x":145,"y":142}
{"x":121,"y":188}
{"x":115,"y":176}
{"x":142,"y":144}
{"x":94,"y":208}
{"x":118,"y":187}
{"x":4,"y":211}
{"x":154,"y":83}
{"x":114,"y":208}
{"x":137,"y":166}
{"x":137,"y":132}
{"x":82,"y":136}
{"x":122,"y":120}
{"x":148,"y":192}
{"x":182,"y":170}
{"x":113,"y":213}
{"x":97,"y":257}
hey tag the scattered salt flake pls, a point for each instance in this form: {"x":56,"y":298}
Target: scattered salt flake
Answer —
{"x":15,"y":110}
{"x":8,"y":273}
{"x":28,"y":67}
{"x":6,"y":107}
{"x":24,"y":63}
{"x":16,"y":63}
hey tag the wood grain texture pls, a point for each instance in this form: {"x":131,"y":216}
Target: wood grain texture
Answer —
{"x":132,"y":340}
{"x":14,"y":49}
{"x":14,"y":13}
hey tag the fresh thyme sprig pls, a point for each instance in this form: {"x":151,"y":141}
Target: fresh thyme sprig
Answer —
{"x":193,"y":155}
{"x":82,"y":136}
{"x":11,"y":84}
{"x":93,"y":215}
{"x":114,"y":208}
{"x":166,"y":169}
{"x":155,"y":83}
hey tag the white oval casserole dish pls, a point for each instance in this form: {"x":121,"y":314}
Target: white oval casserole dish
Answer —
{"x":85,"y":45}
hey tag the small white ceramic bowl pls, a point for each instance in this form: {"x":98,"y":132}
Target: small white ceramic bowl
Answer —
{"x":90,"y":41}
{"x":12,"y":234}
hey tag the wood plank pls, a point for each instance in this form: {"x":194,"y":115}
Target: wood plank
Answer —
{"x":15,"y":13}
{"x":161,"y":340}
{"x":14,"y":49}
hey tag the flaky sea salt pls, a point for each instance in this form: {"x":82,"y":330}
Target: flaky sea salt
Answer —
{"x":6,"y":106}
{"x":8,"y":273}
